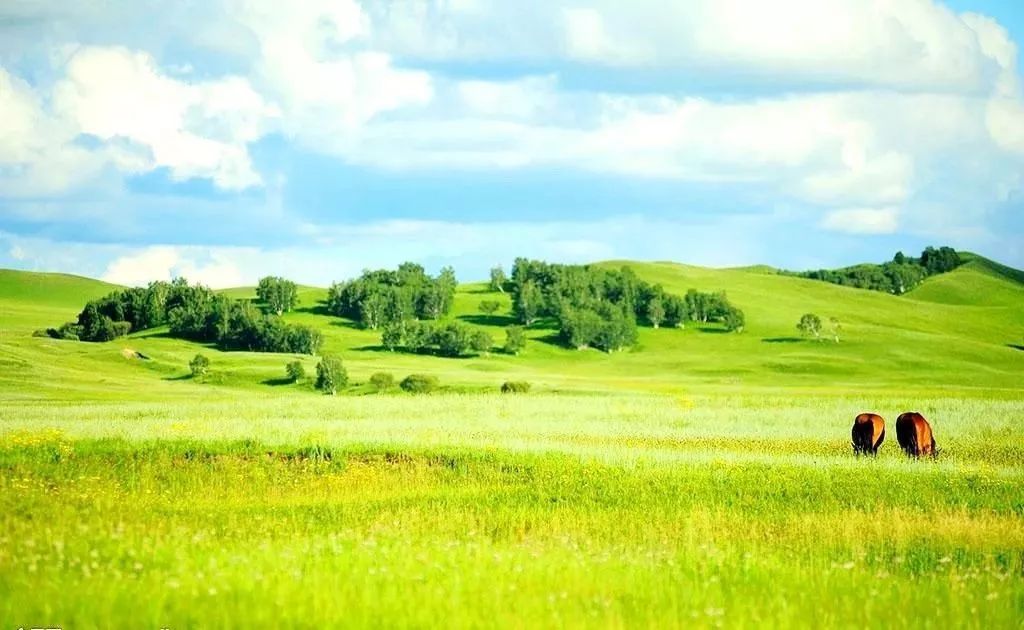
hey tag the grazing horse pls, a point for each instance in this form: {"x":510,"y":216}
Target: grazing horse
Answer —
{"x":868,"y":433}
{"x":915,"y":435}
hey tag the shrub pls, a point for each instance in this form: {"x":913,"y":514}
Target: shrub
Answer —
{"x":515,"y":339}
{"x":419,"y":384}
{"x":515,"y":387}
{"x":382,"y":381}
{"x":481,"y":341}
{"x":331,"y":375}
{"x":199,"y":366}
{"x":489,"y":307}
{"x":41,"y":332}
{"x":295,"y":371}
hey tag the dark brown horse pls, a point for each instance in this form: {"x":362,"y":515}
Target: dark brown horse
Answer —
{"x":868,"y":433}
{"x":915,"y":435}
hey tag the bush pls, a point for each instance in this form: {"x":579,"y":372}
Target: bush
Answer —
{"x":515,"y":339}
{"x":331,"y":375}
{"x":382,"y":381}
{"x":41,"y":332}
{"x":295,"y":371}
{"x":515,"y":387}
{"x":481,"y":341}
{"x":489,"y":307}
{"x":419,"y":384}
{"x":199,"y":366}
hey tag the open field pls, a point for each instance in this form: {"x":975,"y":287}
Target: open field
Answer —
{"x":703,"y":479}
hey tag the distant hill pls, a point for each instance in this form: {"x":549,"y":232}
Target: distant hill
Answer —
{"x":978,"y":282}
{"x":961,"y":329}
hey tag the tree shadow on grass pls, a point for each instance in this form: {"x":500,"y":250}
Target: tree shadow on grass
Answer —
{"x":488,"y":320}
{"x":781,"y":340}
{"x":714,"y":331}
{"x":181,"y":377}
{"x":320,"y":308}
{"x":1015,"y":346}
{"x":277,"y":382}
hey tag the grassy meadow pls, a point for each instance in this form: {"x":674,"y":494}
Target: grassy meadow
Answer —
{"x":702,"y":479}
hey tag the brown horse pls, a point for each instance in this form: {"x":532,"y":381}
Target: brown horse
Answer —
{"x":915,"y":435}
{"x":868,"y":433}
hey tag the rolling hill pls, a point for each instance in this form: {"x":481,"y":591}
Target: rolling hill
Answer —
{"x":962,"y":329}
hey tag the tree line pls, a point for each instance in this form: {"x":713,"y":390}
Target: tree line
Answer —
{"x":197,"y":313}
{"x":897,"y":276}
{"x":599,"y":307}
{"x":382,"y":297}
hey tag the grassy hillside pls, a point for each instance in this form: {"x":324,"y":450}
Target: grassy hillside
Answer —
{"x":958,"y":329}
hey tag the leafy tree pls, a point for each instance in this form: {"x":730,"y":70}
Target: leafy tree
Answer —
{"x":734,"y":319}
{"x":618,"y":329}
{"x":295,"y":371}
{"x":481,"y":341}
{"x":528,"y":303}
{"x":453,"y":339}
{"x":515,"y":340}
{"x":418,"y":336}
{"x":331,"y":375}
{"x":835,"y":328}
{"x":580,"y":327}
{"x":899,"y":258}
{"x":382,"y":381}
{"x":199,"y":366}
{"x":391,"y":337}
{"x":278,"y":294}
{"x":489,"y":307}
{"x":498,"y":279}
{"x":810,"y":324}
{"x":419,"y":384}
{"x":655,"y":311}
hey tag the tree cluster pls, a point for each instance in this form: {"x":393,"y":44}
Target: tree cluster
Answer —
{"x":897,"y":276}
{"x":380,"y":298}
{"x":191,"y":312}
{"x":598,"y":307}
{"x":449,"y":339}
{"x":278,"y":294}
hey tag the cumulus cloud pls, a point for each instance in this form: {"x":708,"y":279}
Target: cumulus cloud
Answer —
{"x":214,"y":267}
{"x":195,"y":130}
{"x":862,"y":220}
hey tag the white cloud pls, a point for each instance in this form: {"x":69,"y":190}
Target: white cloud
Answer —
{"x":195,"y":130}
{"x":862,"y":220}
{"x":214,"y":267}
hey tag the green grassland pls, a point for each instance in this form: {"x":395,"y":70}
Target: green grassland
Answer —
{"x":700,"y":479}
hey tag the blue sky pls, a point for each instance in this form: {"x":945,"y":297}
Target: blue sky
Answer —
{"x":229,"y":140}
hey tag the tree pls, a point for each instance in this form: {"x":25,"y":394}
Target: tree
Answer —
{"x":331,"y":375}
{"x":515,"y":340}
{"x":391,"y":337}
{"x":528,"y":303}
{"x":810,"y":324}
{"x":481,"y":341}
{"x":278,"y":294}
{"x":489,"y":307}
{"x":295,"y":371}
{"x":899,"y":258}
{"x":734,"y":319}
{"x":835,"y":327}
{"x":498,"y":279}
{"x":655,"y":311}
{"x":453,"y":339}
{"x":417,"y":336}
{"x":580,"y":327}
{"x":199,"y":366}
{"x":382,"y":381}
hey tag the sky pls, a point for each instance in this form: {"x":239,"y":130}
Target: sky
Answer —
{"x":227,"y":140}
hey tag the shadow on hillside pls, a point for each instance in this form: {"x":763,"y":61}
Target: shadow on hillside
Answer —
{"x":483,"y":291}
{"x":714,"y":331}
{"x":488,"y":320}
{"x":320,"y":308}
{"x":781,"y":340}
{"x":427,"y":352}
{"x":181,"y":377}
{"x":1015,"y":346}
{"x":277,"y":382}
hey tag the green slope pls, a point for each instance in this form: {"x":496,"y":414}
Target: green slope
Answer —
{"x":978,"y":282}
{"x":958,"y":330}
